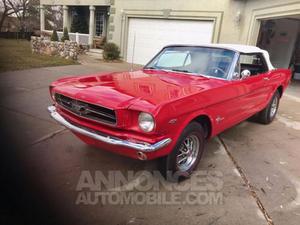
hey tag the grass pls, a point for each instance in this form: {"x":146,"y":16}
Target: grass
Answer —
{"x":17,"y":55}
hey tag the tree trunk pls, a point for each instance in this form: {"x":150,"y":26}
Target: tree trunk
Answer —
{"x":2,"y":20}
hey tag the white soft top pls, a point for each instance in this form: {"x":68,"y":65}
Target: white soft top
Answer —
{"x":243,"y":49}
{"x":239,"y":48}
{"x":248,"y":49}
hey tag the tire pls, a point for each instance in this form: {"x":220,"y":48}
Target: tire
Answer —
{"x":173,"y":167}
{"x":267,"y":115}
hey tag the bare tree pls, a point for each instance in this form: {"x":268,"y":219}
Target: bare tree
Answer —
{"x":26,"y":11}
{"x":20,"y":8}
{"x":5,"y":11}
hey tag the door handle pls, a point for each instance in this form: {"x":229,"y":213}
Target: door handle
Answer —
{"x":266,"y":78}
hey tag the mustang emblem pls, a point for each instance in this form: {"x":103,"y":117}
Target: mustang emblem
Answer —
{"x":79,"y":107}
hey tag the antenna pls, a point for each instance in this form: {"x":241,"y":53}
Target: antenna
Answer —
{"x":133,"y":52}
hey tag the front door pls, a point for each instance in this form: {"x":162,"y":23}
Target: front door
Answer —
{"x":100,"y":23}
{"x":247,"y":95}
{"x":254,"y":93}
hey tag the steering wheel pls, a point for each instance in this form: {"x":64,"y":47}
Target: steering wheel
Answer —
{"x":216,"y":69}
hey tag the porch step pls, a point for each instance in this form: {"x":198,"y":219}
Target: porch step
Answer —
{"x":95,"y":53}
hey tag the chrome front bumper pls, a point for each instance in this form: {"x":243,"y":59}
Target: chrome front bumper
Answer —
{"x":144,"y":147}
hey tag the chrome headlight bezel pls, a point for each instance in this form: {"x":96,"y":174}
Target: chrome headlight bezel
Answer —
{"x":53,"y":96}
{"x":146,"y":122}
{"x":52,"y":93}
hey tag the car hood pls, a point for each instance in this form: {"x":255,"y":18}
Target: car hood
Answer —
{"x":144,"y":89}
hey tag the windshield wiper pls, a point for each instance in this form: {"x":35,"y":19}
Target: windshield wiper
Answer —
{"x":183,"y":71}
{"x":151,"y":68}
{"x":174,"y":70}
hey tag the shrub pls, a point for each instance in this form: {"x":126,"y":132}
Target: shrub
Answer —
{"x":54,"y":36}
{"x":111,"y":51}
{"x":65,"y":35}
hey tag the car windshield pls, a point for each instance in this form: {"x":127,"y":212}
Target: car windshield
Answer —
{"x":207,"y":61}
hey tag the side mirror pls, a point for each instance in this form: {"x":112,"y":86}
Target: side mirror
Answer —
{"x":236,"y":76}
{"x":245,"y":74}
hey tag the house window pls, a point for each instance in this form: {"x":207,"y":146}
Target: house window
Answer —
{"x":100,"y":23}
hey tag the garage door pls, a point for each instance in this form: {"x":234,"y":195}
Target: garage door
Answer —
{"x":151,"y":35}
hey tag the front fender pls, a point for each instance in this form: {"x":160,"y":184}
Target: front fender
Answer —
{"x":174,"y":126}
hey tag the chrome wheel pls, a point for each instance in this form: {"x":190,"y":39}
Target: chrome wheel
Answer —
{"x":188,"y":153}
{"x":274,"y":106}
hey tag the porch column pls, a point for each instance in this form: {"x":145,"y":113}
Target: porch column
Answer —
{"x":42,"y":17}
{"x":65,"y":17}
{"x":91,"y":25}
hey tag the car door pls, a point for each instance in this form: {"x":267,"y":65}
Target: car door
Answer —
{"x":254,"y":93}
{"x":244,"y":95}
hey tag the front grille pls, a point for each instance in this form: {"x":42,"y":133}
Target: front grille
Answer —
{"x":87,"y":110}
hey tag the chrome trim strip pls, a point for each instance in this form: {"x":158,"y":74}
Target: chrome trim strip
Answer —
{"x":144,"y":147}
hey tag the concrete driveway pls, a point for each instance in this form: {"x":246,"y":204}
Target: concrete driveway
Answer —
{"x":43,"y":162}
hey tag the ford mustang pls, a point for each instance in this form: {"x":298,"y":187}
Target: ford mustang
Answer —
{"x":168,"y":109}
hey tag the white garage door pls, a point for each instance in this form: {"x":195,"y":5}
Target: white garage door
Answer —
{"x":153,"y":34}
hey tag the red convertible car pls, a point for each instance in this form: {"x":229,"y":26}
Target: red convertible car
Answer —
{"x":182,"y":97}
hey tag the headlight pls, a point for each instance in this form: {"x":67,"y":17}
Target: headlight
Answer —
{"x":146,"y":122}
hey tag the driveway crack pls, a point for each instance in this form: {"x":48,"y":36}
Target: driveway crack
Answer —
{"x":250,"y":187}
{"x":48,"y":136}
